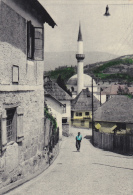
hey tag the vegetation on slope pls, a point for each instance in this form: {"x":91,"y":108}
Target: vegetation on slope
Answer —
{"x":98,"y":71}
{"x":113,"y":63}
{"x":65,"y":73}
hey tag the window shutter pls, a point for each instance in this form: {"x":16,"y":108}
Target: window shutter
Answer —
{"x":39,"y":44}
{"x":3,"y":130}
{"x":28,"y":38}
{"x":20,"y":113}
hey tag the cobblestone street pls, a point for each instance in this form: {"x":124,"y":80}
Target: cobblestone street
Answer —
{"x":89,"y":172}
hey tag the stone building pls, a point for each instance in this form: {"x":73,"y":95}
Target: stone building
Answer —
{"x":21,"y":89}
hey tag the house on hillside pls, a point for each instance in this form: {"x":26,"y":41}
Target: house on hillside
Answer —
{"x":21,"y":90}
{"x":81,"y":108}
{"x":112,"y":90}
{"x":56,"y":93}
{"x":115,"y":115}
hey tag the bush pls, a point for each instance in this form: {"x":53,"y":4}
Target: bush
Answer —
{"x":50,"y":117}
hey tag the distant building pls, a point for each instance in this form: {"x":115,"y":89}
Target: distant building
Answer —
{"x":21,"y":89}
{"x":112,"y":90}
{"x":64,"y":99}
{"x":115,"y":114}
{"x":81,"y":108}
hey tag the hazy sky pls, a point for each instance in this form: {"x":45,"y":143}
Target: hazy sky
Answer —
{"x":113,"y":34}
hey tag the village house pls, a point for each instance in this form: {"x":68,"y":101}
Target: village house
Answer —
{"x":62,"y":108}
{"x":55,"y":107}
{"x":115,"y":115}
{"x":112,"y":90}
{"x":81,"y":108}
{"x":21,"y":90}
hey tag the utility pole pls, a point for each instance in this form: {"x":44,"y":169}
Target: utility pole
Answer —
{"x":100,"y":96}
{"x":92,"y":115}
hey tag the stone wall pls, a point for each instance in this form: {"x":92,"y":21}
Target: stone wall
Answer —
{"x":23,"y":160}
{"x":13,"y":50}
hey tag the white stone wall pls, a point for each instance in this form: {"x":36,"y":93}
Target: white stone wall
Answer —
{"x":68,"y":110}
{"x":56,"y":111}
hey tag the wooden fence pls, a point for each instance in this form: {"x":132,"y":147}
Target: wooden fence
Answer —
{"x":117,"y":143}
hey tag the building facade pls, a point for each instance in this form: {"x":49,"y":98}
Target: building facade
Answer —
{"x":58,"y":94}
{"x":81,"y":108}
{"x":21,"y":87}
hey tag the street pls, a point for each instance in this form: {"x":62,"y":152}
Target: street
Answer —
{"x":91,"y":171}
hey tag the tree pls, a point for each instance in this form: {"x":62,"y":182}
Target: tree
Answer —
{"x":61,"y":83}
{"x":124,"y":91}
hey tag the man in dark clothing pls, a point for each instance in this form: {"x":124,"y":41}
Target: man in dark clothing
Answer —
{"x":78,"y":141}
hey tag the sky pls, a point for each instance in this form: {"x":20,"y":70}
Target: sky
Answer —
{"x":113,"y":34}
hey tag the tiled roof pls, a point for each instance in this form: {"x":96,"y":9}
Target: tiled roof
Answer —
{"x":117,"y":109}
{"x":57,"y":92}
{"x":112,"y":90}
{"x":83,"y":101}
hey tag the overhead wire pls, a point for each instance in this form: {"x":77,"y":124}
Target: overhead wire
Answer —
{"x":122,"y":39}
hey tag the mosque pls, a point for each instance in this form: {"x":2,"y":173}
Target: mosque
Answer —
{"x":81,"y":81}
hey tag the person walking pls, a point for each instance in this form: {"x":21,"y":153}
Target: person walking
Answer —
{"x":78,"y":141}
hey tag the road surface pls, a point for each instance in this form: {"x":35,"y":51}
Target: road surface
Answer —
{"x":89,"y":172}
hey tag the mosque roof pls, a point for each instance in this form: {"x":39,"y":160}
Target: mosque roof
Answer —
{"x":87,"y":81}
{"x":80,"y":34}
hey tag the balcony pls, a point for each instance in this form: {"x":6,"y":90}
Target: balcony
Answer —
{"x":80,"y":57}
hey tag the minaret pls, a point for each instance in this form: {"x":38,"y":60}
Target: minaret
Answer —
{"x":80,"y":58}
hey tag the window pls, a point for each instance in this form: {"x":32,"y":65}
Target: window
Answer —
{"x":11,"y":124}
{"x":64,"y":120}
{"x":87,"y":113}
{"x":64,"y":108}
{"x":78,"y":113}
{"x":30,"y":40}
{"x":107,"y":97}
{"x":35,"y":42}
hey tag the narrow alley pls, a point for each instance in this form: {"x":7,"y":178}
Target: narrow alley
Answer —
{"x":88,"y":172}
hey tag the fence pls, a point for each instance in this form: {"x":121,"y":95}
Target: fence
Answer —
{"x":117,"y":143}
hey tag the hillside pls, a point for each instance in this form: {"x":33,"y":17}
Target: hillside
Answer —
{"x":119,"y":69}
{"x":65,"y":72}
{"x":53,"y":60}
